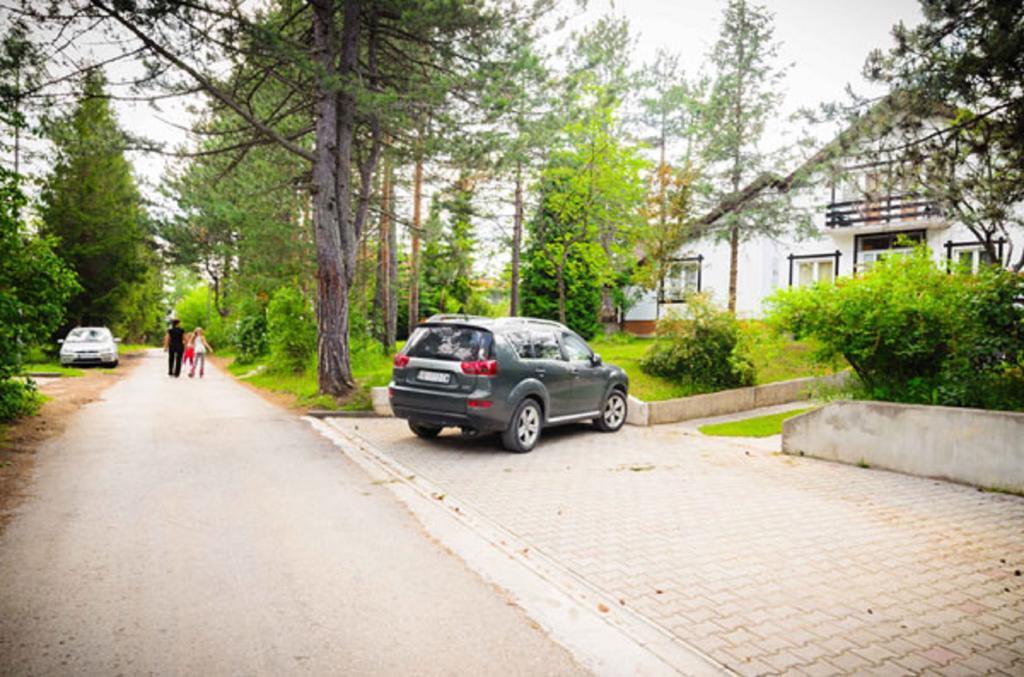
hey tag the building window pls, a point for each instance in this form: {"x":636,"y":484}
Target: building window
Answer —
{"x":683,"y":279}
{"x":870,"y":248}
{"x":807,"y":269}
{"x":973,"y":254}
{"x":815,"y":271}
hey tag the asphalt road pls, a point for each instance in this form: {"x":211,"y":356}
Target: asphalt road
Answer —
{"x":189,"y":527}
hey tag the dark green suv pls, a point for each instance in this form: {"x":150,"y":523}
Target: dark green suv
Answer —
{"x":513,"y":376}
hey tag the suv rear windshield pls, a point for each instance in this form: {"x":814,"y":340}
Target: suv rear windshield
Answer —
{"x":450,"y":343}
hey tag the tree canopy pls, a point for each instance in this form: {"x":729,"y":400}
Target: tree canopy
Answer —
{"x":90,"y":204}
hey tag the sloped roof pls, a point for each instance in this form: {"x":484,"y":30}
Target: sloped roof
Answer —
{"x":885,"y":116}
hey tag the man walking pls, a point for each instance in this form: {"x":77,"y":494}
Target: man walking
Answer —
{"x":174,"y":345}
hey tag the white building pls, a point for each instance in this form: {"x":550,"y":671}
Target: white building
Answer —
{"x":857,"y":225}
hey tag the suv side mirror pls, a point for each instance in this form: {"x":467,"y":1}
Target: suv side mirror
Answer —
{"x":60,"y":340}
{"x":596,"y":360}
{"x":117,"y":340}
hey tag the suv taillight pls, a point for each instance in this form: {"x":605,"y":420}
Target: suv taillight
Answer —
{"x":401,"y":360}
{"x":480,"y":367}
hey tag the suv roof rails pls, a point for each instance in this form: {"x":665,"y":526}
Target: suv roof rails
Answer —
{"x":480,"y":319}
{"x":448,"y":317}
{"x":530,"y":320}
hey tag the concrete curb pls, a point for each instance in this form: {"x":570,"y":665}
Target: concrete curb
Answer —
{"x":616,"y":642}
{"x":731,"y":401}
{"x":381,"y":401}
{"x":335,"y":413}
{"x":638,"y":412}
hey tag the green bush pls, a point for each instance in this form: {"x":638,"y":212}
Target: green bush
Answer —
{"x":291,"y":330}
{"x":35,"y":285}
{"x":250,"y":335}
{"x":18,"y":398}
{"x":196,"y":309}
{"x":699,"y":350}
{"x":914,"y":332}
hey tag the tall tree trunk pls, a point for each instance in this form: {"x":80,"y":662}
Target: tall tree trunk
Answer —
{"x":560,"y":278}
{"x":17,"y":120}
{"x":517,"y":240}
{"x":607,"y":305}
{"x":737,"y":167}
{"x":414,"y":257}
{"x":734,"y":256}
{"x":382,"y":311}
{"x":17,"y":147}
{"x":662,"y":180}
{"x":331,"y":199}
{"x":392,"y":317}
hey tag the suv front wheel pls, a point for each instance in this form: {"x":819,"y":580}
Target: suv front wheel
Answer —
{"x":613,"y":414}
{"x":524,"y":429}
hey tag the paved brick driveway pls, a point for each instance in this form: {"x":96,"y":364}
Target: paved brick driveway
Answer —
{"x":765,"y":562}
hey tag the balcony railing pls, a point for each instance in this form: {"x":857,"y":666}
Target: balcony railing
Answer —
{"x":888,"y":209}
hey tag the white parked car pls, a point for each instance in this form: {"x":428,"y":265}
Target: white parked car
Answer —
{"x":89,"y":345}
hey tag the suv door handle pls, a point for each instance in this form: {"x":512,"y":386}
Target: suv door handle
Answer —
{"x":575,"y":372}
{"x":540,"y":372}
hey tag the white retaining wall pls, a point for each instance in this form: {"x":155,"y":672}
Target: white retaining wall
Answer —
{"x":974,"y":446}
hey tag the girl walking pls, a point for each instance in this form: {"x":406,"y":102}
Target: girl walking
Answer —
{"x":199,"y":348}
{"x":190,"y":354}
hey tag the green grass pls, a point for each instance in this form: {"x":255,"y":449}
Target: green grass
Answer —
{"x":779,"y":358}
{"x":627,"y":353}
{"x":50,"y":368}
{"x":775,"y":358}
{"x":370,"y":367}
{"x":759,"y":426}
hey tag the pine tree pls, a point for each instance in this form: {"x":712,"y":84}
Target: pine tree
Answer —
{"x":20,"y":73}
{"x":91,"y":205}
{"x":955,"y":80}
{"x":673,"y":110}
{"x":744,"y":97}
{"x":448,"y":253}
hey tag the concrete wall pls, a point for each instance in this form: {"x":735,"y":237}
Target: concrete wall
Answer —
{"x":974,"y":446}
{"x":732,"y":401}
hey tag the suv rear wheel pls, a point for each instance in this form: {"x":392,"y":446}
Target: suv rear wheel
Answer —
{"x":524,"y":429}
{"x":427,"y":432}
{"x":613,"y":414}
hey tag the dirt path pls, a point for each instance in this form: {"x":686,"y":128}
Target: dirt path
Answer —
{"x":189,"y":527}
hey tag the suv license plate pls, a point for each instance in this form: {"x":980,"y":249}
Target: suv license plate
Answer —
{"x":434,"y":376}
